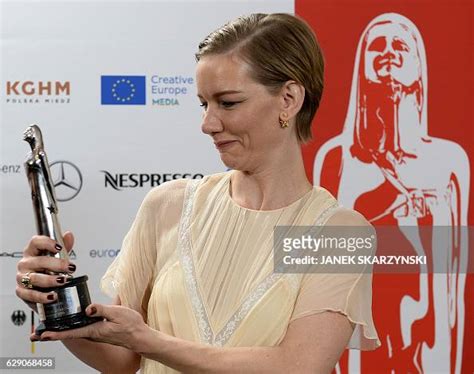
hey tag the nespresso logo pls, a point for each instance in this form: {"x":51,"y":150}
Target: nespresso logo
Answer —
{"x":48,"y":88}
{"x":127,"y":180}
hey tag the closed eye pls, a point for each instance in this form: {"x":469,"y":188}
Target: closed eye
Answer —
{"x":400,"y":45}
{"x":223,"y":104}
{"x":229,"y":104}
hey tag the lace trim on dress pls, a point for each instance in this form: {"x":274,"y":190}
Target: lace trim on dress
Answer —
{"x":325,"y":214}
{"x":184,"y":249}
{"x":187,"y":263}
{"x":229,"y":328}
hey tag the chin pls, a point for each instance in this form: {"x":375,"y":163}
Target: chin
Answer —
{"x":230,"y":163}
{"x":230,"y":166}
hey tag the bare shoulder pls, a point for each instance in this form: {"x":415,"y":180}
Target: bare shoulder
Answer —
{"x":447,"y":147}
{"x":347,"y":217}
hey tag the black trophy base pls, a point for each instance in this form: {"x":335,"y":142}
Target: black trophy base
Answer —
{"x":69,"y":310}
{"x":68,"y":323}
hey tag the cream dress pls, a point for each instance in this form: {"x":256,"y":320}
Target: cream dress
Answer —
{"x":200,"y":267}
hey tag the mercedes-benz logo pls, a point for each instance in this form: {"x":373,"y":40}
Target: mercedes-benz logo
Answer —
{"x":67,"y":179}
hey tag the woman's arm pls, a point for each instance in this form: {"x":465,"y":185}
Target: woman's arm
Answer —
{"x":312,"y":344}
{"x":138,"y":258}
{"x":106,"y":358}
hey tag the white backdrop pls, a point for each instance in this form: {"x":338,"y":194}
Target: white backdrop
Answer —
{"x":72,"y":45}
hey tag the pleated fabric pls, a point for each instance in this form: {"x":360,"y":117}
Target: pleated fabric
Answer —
{"x":200,"y":267}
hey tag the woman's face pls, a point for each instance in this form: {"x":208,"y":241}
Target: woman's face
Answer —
{"x":392,"y":54}
{"x":240,"y":114}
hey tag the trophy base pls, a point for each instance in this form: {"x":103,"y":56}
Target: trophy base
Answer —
{"x":68,"y":323}
{"x":69,"y":310}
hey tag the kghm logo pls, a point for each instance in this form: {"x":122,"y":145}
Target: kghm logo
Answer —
{"x":39,"y":88}
{"x":36,"y":92}
{"x":123,"y":90}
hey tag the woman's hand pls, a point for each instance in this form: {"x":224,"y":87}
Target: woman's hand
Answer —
{"x":121,"y":326}
{"x":32,"y":268}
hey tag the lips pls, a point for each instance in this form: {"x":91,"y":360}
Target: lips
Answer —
{"x":388,"y":61}
{"x":222,"y":144}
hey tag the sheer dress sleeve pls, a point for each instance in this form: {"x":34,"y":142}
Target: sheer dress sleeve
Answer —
{"x":131,"y":274}
{"x":347,"y":293}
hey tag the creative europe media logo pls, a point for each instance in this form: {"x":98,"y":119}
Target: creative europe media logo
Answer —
{"x":123,"y":90}
{"x":162,"y":90}
{"x":169,"y":90}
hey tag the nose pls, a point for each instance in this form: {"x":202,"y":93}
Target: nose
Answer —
{"x":389,"y":50}
{"x":211,"y":123}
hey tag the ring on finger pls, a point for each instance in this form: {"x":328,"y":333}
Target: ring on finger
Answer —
{"x":26,"y":280}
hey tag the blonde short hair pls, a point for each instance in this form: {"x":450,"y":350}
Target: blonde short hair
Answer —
{"x":278,"y":47}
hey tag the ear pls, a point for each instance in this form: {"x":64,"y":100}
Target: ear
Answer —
{"x":292,"y":98}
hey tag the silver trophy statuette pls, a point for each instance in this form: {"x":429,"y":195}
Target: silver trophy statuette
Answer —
{"x":68,"y":312}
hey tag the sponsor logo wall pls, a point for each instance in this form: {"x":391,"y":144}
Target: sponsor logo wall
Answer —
{"x":115,"y":98}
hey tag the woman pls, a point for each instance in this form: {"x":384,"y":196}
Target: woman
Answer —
{"x":194,"y":284}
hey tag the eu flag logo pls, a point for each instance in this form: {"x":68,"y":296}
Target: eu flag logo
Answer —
{"x":123,"y":90}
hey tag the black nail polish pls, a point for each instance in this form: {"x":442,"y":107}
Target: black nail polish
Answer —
{"x":60,"y":280}
{"x":50,"y":296}
{"x":58,"y":247}
{"x":72,"y":267}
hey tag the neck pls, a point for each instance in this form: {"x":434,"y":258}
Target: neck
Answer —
{"x":274,"y":186}
{"x":391,"y":120}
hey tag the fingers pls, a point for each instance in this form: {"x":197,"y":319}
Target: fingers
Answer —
{"x":31,"y":266}
{"x":89,"y":332}
{"x":68,"y":239}
{"x":83,"y":332}
{"x":33,"y":263}
{"x":33,"y":296}
{"x":45,"y":263}
{"x":100,"y":310}
{"x":38,"y":244}
{"x":39,"y":280}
